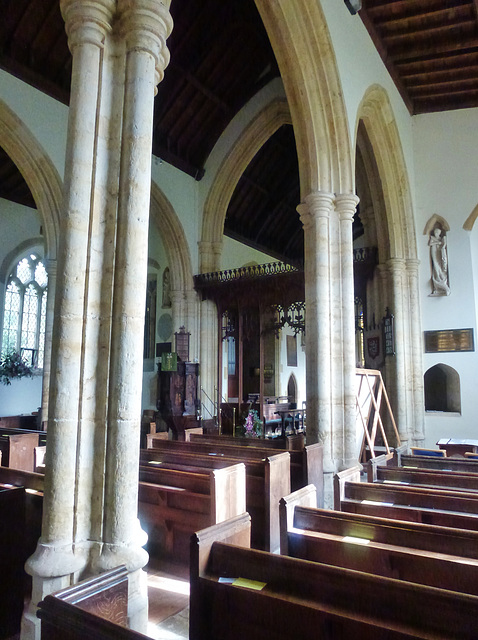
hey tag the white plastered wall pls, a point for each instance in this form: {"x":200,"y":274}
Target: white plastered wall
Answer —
{"x":446,"y":157}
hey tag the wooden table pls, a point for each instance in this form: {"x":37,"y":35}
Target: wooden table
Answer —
{"x":456,"y":447}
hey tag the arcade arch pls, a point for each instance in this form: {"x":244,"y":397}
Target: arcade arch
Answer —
{"x":388,"y":210}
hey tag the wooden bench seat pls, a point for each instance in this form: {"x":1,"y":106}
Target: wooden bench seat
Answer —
{"x":267,"y":480}
{"x":413,"y":496}
{"x":459,"y":465}
{"x":94,"y":608}
{"x":306,"y":461}
{"x":17,"y":448}
{"x":382,"y":548}
{"x":176,"y":499}
{"x":297,"y":512}
{"x":310,"y":600}
{"x":427,"y":478}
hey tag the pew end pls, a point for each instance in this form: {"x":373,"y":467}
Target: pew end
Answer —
{"x":352,"y":474}
{"x":305,"y":497}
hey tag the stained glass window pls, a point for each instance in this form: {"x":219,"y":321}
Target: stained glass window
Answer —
{"x":24,"y":318}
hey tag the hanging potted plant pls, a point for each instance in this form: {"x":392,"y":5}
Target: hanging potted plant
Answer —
{"x":13,"y":365}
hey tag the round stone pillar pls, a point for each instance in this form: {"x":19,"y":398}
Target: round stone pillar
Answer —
{"x":418,"y":412}
{"x":145,"y":25}
{"x":51,"y":267}
{"x":315,"y":216}
{"x":57,"y":557}
{"x":346,"y":206}
{"x":396,"y":268}
{"x":209,"y":261}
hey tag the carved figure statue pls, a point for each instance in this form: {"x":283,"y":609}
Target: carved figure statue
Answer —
{"x":439,"y":263}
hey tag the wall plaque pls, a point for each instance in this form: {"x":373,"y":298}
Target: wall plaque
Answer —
{"x":449,"y":340}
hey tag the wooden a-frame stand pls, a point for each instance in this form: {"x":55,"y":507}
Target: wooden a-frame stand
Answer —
{"x":370,"y":391}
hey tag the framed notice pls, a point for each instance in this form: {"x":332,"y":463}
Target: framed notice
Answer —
{"x":169,"y":361}
{"x":449,"y":340}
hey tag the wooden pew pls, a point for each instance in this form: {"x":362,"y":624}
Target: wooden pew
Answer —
{"x":94,"y":608}
{"x":460,"y":465}
{"x":383,"y":548}
{"x":427,"y":477}
{"x":310,"y":600}
{"x":267,"y":480}
{"x":33,"y":484}
{"x":297,"y":512}
{"x":306,"y":461}
{"x":174,"y":499}
{"x":17,"y":448}
{"x":411,"y":496}
{"x":13,"y":555}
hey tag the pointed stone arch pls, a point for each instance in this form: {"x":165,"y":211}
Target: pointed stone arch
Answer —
{"x":39,"y":172}
{"x":302,"y":45}
{"x":174,"y":239}
{"x":396,"y":279}
{"x":256,"y":134}
{"x":398,"y":237}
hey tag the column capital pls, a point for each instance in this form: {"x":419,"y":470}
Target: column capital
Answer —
{"x":412,"y":265}
{"x":346,"y":205}
{"x":146,"y":25}
{"x":396,"y":265}
{"x":87,"y":22}
{"x":318,"y":204}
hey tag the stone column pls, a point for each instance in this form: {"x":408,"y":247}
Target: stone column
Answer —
{"x":418,"y":399}
{"x":51,"y":267}
{"x":396,"y":268}
{"x":56,"y":556}
{"x":345,"y":205}
{"x":145,"y":24}
{"x":209,"y":261}
{"x":315,"y":216}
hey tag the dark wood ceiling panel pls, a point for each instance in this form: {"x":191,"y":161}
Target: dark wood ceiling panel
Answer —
{"x":426,"y":38}
{"x":12,"y":184}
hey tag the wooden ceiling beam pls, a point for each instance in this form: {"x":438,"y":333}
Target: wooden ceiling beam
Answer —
{"x":436,"y":50}
{"x":395,"y":6}
{"x":433,"y":77}
{"x":438,"y":15}
{"x":441,"y":88}
{"x":387,"y":60}
{"x":435,"y":32}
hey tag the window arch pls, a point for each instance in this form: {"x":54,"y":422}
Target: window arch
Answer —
{"x":24,"y":316}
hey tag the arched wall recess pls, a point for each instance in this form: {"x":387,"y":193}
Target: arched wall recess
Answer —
{"x":442,"y":389}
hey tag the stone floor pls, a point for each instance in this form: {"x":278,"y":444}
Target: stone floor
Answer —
{"x":168,"y":595}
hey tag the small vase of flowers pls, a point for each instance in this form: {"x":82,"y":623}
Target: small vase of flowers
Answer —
{"x":12,"y":365}
{"x":252,"y":425}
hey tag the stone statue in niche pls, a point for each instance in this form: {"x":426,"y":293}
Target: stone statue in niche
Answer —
{"x":439,"y":263}
{"x":166,"y":302}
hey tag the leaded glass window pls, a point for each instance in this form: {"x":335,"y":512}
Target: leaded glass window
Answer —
{"x":24,"y":317}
